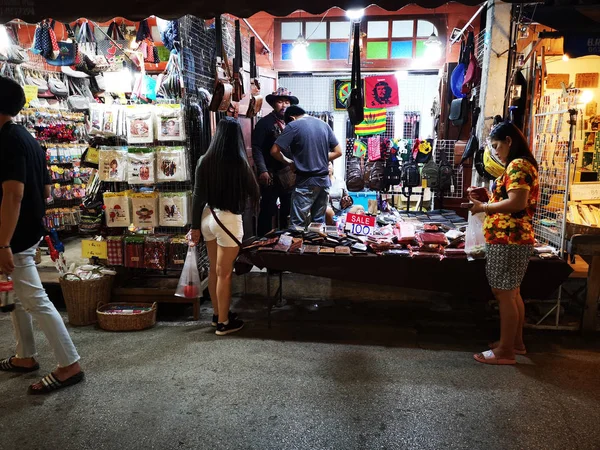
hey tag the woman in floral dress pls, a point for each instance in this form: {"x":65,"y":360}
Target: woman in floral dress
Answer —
{"x":509,"y":238}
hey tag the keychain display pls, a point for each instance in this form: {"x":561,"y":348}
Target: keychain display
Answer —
{"x":144,"y":207}
{"x":173,"y":209}
{"x":117,"y":211}
{"x":141,"y":165}
{"x":113,"y":163}
{"x":171,"y":164}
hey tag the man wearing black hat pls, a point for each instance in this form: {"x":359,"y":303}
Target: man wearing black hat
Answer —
{"x":264,"y":135}
{"x":312,"y":145}
{"x":24,"y":186}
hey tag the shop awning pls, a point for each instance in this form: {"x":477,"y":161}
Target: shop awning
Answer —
{"x":33,"y":11}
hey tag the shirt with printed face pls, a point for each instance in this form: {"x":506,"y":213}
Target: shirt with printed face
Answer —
{"x":513,"y":228}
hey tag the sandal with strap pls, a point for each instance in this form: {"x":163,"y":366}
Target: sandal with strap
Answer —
{"x":488,"y":357}
{"x":7,"y":366}
{"x":50,"y":383}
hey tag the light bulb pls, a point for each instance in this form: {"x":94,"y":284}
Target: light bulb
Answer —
{"x":586,"y":97}
{"x":355,"y":14}
{"x":433,"y":53}
{"x":300,"y":53}
{"x":565,"y":57}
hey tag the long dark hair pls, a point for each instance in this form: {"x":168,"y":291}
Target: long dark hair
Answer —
{"x":226,"y":180}
{"x":519,"y":148}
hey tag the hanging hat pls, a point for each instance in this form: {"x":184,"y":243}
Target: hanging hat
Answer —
{"x":279,"y":93}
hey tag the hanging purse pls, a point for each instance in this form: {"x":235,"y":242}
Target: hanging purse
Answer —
{"x":146,"y":43}
{"x":223,"y":89}
{"x":256,"y":100}
{"x":242,"y":264}
{"x":238,"y":66}
{"x":356,"y":103}
{"x":67,"y":50}
{"x":57,"y":87}
{"x":42,"y":85}
{"x":473,"y":143}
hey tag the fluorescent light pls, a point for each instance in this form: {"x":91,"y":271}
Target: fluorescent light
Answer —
{"x":355,"y":15}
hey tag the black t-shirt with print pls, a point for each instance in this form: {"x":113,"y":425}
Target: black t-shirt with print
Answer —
{"x":22,"y":159}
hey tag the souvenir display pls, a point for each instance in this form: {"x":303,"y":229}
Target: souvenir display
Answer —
{"x":171,"y":164}
{"x":169,"y":123}
{"x":173,"y":209}
{"x":141,"y":166}
{"x":155,"y":252}
{"x":117,"y":211}
{"x":115,"y":250}
{"x":134,"y":251}
{"x":144,"y":206}
{"x":113,"y":163}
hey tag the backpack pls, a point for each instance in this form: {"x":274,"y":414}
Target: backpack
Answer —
{"x":392,"y":175}
{"x":445,"y":175}
{"x":431,"y":172}
{"x":354,"y":175}
{"x":377,"y":176}
{"x":410,"y":175}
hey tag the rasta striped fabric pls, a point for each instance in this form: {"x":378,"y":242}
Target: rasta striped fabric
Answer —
{"x":374,"y":123}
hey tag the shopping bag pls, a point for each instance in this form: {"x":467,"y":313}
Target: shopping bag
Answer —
{"x":474,"y":238}
{"x":189,"y":282}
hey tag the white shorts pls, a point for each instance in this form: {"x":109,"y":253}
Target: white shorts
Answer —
{"x":211,"y":230}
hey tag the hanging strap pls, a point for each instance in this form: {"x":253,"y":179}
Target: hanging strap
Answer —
{"x":356,"y":58}
{"x":253,"y":73}
{"x":225,"y":229}
{"x":238,"y":62}
{"x":219,"y":37}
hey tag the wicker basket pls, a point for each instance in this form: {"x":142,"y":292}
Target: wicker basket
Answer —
{"x":574,"y":228}
{"x":82,"y":296}
{"x":125,"y":322}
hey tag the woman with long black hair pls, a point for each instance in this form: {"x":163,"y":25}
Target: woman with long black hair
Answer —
{"x":509,"y":236}
{"x":224,"y":184}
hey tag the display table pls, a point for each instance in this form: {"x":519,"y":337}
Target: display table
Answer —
{"x":588,"y":247}
{"x":456,"y":276}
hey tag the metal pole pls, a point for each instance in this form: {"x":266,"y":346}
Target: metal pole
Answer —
{"x":572,"y":132}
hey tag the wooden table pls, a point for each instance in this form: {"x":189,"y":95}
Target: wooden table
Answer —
{"x":588,"y":247}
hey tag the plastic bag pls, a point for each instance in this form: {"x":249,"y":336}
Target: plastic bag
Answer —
{"x":189,"y":283}
{"x":474,"y":238}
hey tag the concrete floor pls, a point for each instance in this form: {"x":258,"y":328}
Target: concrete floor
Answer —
{"x":326,"y":376}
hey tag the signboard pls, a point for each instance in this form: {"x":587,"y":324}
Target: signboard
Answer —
{"x":31,"y":93}
{"x":92,"y":156}
{"x":360,"y":224}
{"x":585,"y":192}
{"x":94,"y":249}
{"x":553,"y":80}
{"x":582,"y":45}
{"x":586,"y":80}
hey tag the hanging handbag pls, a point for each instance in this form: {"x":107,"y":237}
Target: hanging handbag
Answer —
{"x":256,"y":100}
{"x":113,"y":48}
{"x":356,"y":103}
{"x":242,"y":264}
{"x":238,"y":66}
{"x":42,"y":85}
{"x":170,"y":84}
{"x":67,"y":50}
{"x":146,"y":43}
{"x":57,"y":87}
{"x":473,"y":143}
{"x":221,"y":98}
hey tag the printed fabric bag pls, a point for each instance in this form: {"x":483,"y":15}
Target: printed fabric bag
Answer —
{"x":374,"y":148}
{"x":171,"y":164}
{"x":112,"y":164}
{"x":155,"y":252}
{"x":114,"y":246}
{"x":173,"y":209}
{"x":141,"y":166}
{"x":145,"y":209}
{"x":140,"y":125}
{"x":178,"y":247}
{"x":117,"y":211}
{"x":169,"y":123}
{"x":134,"y":251}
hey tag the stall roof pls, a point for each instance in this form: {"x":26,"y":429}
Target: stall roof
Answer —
{"x":33,"y":11}
{"x":566,"y":19}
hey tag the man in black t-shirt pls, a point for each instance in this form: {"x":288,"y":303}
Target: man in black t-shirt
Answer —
{"x":24,"y":186}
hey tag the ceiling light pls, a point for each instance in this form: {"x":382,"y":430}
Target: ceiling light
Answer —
{"x":565,"y":57}
{"x":586,"y":97}
{"x":300,"y":51}
{"x":355,"y":15}
{"x":433,"y":48}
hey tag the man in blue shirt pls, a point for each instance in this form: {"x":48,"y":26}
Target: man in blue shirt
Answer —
{"x":312,"y":145}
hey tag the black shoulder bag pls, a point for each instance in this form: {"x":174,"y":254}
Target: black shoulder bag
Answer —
{"x":356,"y":104}
{"x":242,"y":264}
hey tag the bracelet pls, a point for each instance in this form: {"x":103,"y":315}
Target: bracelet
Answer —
{"x":485,"y":208}
{"x":4,"y":247}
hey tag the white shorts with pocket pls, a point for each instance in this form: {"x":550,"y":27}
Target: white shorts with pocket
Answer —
{"x":211,"y":230}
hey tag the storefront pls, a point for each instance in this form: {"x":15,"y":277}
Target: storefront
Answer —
{"x":141,"y":141}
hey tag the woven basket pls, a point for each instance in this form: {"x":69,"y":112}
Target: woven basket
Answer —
{"x":573,"y":229}
{"x":82,"y":296}
{"x":125,"y":322}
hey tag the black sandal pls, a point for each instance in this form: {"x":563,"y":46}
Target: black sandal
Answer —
{"x":7,"y":366}
{"x":50,"y":383}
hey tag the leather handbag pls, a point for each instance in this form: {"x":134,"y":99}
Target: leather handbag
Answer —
{"x":459,"y":150}
{"x":256,"y":100}
{"x":473,"y":142}
{"x":78,"y":103}
{"x":458,"y":111}
{"x":242,"y":264}
{"x":287,"y":178}
{"x":223,"y":90}
{"x":356,"y":102}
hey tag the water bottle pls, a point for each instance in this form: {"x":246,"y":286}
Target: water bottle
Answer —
{"x":7,"y":294}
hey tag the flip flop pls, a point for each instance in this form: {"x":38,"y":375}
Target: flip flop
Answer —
{"x":50,"y":383}
{"x":517,"y":351}
{"x":7,"y":366}
{"x":488,"y":357}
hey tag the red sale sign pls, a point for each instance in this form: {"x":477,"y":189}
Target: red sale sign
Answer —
{"x":361,"y":219}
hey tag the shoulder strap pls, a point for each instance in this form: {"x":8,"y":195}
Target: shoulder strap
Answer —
{"x":225,"y":229}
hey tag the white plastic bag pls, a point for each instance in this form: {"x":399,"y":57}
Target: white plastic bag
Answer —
{"x":189,"y":282}
{"x":474,"y":238}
